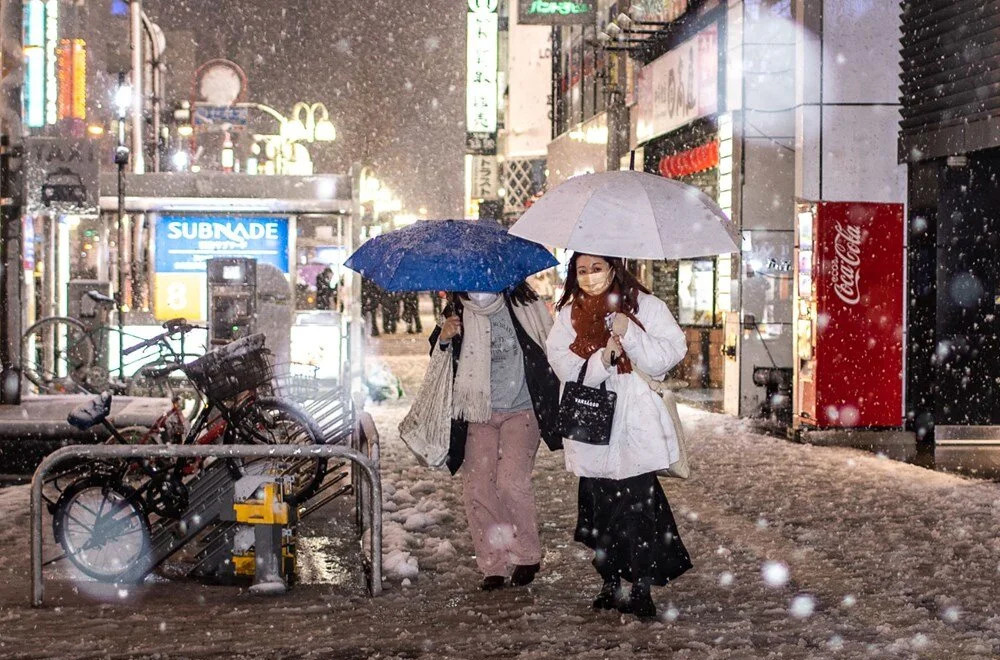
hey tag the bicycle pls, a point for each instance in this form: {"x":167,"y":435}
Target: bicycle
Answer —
{"x":60,"y":355}
{"x":109,"y":508}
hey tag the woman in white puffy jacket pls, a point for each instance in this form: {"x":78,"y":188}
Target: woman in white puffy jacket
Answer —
{"x":609,"y":322}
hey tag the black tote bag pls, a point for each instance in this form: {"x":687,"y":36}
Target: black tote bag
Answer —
{"x":586,"y":413}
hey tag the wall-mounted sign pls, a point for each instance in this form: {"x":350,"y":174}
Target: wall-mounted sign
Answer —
{"x":678,"y":87}
{"x":51,"y":71}
{"x":546,"y":12}
{"x":61,"y":175}
{"x":659,"y":10}
{"x":72,"y":66}
{"x":485,"y":177}
{"x":185,"y":243}
{"x":34,"y":63}
{"x":481,"y":70}
{"x":482,"y":144}
{"x":219,"y":115}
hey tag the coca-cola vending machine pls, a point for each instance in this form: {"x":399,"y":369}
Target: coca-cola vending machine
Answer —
{"x":848,"y":315}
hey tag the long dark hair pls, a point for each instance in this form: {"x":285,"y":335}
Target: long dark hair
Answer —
{"x":621,"y":277}
{"x":520,"y":295}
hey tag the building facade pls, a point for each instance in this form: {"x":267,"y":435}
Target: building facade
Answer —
{"x":950,"y":143}
{"x":761,"y":104}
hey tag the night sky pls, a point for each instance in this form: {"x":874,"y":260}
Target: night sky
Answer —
{"x":390,"y":71}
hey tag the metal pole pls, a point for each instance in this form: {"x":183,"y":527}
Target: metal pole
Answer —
{"x":156,"y":84}
{"x":617,"y":112}
{"x":121,"y":159}
{"x":135,"y":20}
{"x":356,"y":335}
{"x":11,"y":199}
{"x":373,"y":505}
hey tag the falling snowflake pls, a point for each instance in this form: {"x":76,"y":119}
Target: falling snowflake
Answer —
{"x":775,"y":573}
{"x":802,"y":606}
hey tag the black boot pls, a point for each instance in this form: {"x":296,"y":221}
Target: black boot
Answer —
{"x":640,"y":602}
{"x":524,"y":574}
{"x":492,"y":583}
{"x":607,"y":599}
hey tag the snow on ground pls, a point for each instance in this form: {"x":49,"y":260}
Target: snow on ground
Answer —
{"x":799,"y":552}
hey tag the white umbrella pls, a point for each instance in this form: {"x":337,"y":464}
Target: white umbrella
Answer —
{"x":628,"y":214}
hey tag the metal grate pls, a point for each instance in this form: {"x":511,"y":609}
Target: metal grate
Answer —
{"x":521,"y":179}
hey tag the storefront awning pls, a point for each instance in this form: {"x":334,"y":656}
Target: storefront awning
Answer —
{"x":230,"y":193}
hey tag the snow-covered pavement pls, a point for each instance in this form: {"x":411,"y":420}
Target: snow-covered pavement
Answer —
{"x":799,"y":552}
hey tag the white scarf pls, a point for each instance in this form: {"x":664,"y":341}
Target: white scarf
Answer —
{"x":472,"y":395}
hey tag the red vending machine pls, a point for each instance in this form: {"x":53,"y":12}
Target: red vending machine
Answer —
{"x":848,"y":315}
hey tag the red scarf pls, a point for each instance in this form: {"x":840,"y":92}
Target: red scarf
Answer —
{"x":588,"y":315}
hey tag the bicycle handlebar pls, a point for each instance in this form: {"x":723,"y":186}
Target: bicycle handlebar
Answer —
{"x":172,"y":326}
{"x":146,"y":344}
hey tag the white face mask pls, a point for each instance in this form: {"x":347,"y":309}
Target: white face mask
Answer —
{"x":594,"y":284}
{"x":483,"y":299}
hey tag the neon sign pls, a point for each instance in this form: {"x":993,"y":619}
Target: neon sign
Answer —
{"x":558,"y":12}
{"x":34,"y":63}
{"x":51,"y":44}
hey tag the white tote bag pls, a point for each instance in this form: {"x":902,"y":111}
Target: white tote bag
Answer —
{"x":679,"y":469}
{"x":426,"y":429}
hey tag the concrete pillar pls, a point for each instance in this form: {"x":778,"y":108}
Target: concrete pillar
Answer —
{"x":760,"y":56}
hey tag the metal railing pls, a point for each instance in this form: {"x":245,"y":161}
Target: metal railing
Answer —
{"x":371,"y":504}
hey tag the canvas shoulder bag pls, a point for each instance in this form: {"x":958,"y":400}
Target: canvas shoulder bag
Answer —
{"x":586,"y":413}
{"x":679,"y":469}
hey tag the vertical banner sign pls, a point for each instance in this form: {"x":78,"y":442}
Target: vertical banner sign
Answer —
{"x":34,"y":63}
{"x":481,"y":75}
{"x":72,"y":66}
{"x":679,"y":87}
{"x":51,"y":56}
{"x":485,"y":177}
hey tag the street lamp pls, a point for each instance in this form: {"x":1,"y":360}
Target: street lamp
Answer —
{"x":311,"y":129}
{"x":307,"y":123}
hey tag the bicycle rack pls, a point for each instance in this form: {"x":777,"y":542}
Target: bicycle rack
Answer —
{"x":205,"y":491}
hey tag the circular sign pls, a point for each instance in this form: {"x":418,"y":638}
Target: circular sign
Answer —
{"x":220,"y":82}
{"x":479,"y":6}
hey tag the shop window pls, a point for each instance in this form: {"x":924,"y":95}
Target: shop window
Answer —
{"x":696,"y":292}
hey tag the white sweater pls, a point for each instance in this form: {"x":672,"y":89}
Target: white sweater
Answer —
{"x":643,"y":438}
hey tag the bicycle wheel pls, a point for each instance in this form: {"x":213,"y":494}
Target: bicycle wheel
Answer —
{"x":103,"y":528}
{"x":274,"y":421}
{"x":145,"y":382}
{"x":57,"y":355}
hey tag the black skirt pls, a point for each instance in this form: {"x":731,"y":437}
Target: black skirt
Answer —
{"x":629,"y":526}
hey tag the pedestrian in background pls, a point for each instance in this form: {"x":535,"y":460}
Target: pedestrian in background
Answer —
{"x":390,"y":311}
{"x":609,"y":322}
{"x":437,"y":302}
{"x":326,"y":290}
{"x":505,"y":398}
{"x":370,"y":294}
{"x":411,"y":313}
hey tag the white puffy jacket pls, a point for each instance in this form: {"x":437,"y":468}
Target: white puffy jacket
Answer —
{"x":643,"y":438}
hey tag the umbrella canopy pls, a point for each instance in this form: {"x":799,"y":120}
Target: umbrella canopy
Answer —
{"x":629,"y":214}
{"x":449,"y":255}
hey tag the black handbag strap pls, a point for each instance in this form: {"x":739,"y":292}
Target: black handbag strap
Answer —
{"x":583,"y":373}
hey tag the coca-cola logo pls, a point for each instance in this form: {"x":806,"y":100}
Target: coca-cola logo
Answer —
{"x":846,"y":274}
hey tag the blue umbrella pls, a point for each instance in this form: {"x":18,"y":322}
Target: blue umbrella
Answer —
{"x":449,"y":255}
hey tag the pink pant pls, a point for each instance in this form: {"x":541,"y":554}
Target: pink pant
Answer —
{"x":499,"y":501}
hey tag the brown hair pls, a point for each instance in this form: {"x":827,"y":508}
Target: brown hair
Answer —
{"x":621,"y":276}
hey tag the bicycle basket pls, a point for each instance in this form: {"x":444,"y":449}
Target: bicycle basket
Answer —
{"x":231,"y":369}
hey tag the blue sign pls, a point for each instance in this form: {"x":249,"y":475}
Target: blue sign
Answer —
{"x":184,"y":243}
{"x":209,"y":115}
